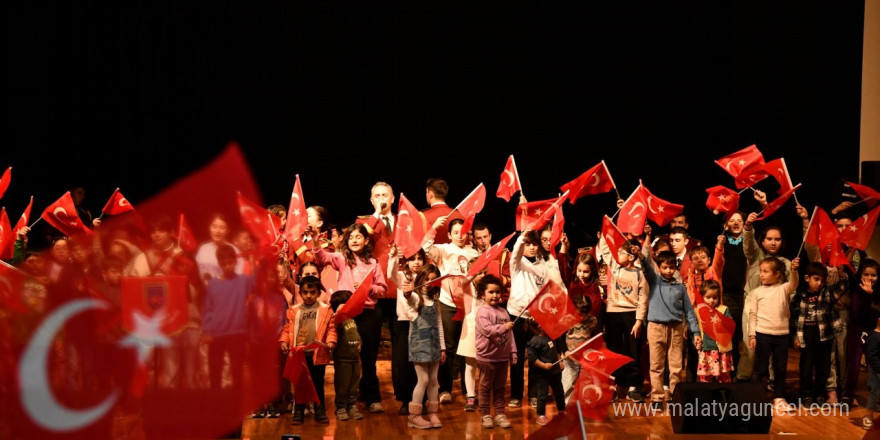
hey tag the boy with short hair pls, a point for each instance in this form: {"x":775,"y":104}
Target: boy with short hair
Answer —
{"x":814,"y":322}
{"x":668,"y":307}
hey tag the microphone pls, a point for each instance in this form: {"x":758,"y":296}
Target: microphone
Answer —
{"x":383,"y":205}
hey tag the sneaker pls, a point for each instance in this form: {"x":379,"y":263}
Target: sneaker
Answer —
{"x":501,"y":420}
{"x":471,"y":404}
{"x":514,"y":403}
{"x":781,"y":405}
{"x":807,"y":402}
{"x":770,"y":386}
{"x":259,"y":414}
{"x":297,"y":415}
{"x":404,"y":409}
{"x":321,"y":415}
{"x":376,"y":408}
{"x":341,"y":415}
{"x":354,"y":414}
{"x":832,"y":398}
{"x":486,"y":422}
{"x":541,"y":420}
{"x":634,"y":396}
{"x":446,"y":397}
{"x":533,"y":402}
{"x":273,"y":412}
{"x":867,"y":422}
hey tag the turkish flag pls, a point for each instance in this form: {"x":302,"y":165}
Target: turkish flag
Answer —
{"x":257,"y":220}
{"x":297,"y":218}
{"x":509,"y":181}
{"x":596,"y":180}
{"x":777,"y":203}
{"x":5,"y":179}
{"x":470,"y":206}
{"x":488,"y":256}
{"x":539,"y":222}
{"x":633,"y":213}
{"x":62,"y":216}
{"x":735,"y":163}
{"x":161,"y":298}
{"x":595,"y":391}
{"x":838,"y":256}
{"x":759,"y":172}
{"x":868,"y":194}
{"x":714,"y":324}
{"x":409,"y":230}
{"x":296,"y":370}
{"x":659,"y":210}
{"x":25,"y":217}
{"x":528,"y":213}
{"x":566,"y":424}
{"x":117,"y":204}
{"x":594,"y":354}
{"x":822,"y":233}
{"x":613,"y":237}
{"x":185,"y":238}
{"x":557,"y":230}
{"x":355,"y":305}
{"x":858,"y":234}
{"x":7,"y":237}
{"x":553,"y":310}
{"x":722,"y":199}
{"x":11,"y":285}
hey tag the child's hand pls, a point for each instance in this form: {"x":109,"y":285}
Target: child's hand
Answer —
{"x":442,"y":356}
{"x":751,"y":219}
{"x":23,"y":232}
{"x":760,"y":196}
{"x":801,"y":212}
{"x":647,"y":229}
{"x":795,"y":264}
{"x":867,"y":286}
{"x":603,"y":279}
{"x":721,"y":239}
{"x":513,"y":359}
{"x":508,"y":325}
{"x":636,"y":328}
{"x":698,"y":342}
{"x":752,"y":343}
{"x":439,"y":222}
{"x":561,"y":365}
{"x":331,"y":346}
{"x":843,"y":206}
{"x":522,"y":199}
{"x":620,"y":203}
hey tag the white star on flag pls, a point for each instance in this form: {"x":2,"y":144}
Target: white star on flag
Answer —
{"x":742,"y":162}
{"x":853,"y":228}
{"x":146,"y":336}
{"x":538,"y":211}
{"x":296,"y":212}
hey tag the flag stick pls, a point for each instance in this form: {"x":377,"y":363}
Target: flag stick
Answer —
{"x":516,"y":171}
{"x":861,"y":201}
{"x":38,"y":220}
{"x":615,"y":214}
{"x":804,"y":240}
{"x":613,"y":185}
{"x":581,"y":420}
{"x":579,"y":347}
{"x":744,"y":189}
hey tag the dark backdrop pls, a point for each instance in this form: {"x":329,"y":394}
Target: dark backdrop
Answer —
{"x":136,"y":95}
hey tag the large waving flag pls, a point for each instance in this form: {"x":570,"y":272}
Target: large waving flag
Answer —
{"x":297,"y":218}
{"x":257,"y":220}
{"x":714,"y":324}
{"x":613,"y":237}
{"x":868,"y":194}
{"x":528,"y":213}
{"x":542,"y":220}
{"x":11,"y":286}
{"x":62,"y":216}
{"x":553,"y":309}
{"x":7,"y":238}
{"x":595,"y":390}
{"x":736,"y":162}
{"x":409,"y":230}
{"x":858,"y":234}
{"x":659,"y":210}
{"x":470,"y":207}
{"x":596,"y":180}
{"x":489,"y":256}
{"x":510,"y":183}
{"x":777,"y":203}
{"x":722,"y":199}
{"x":633,"y":213}
{"x":355,"y":305}
{"x":822,"y":233}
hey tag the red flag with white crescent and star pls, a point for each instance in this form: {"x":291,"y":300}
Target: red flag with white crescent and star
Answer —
{"x":163,"y":296}
{"x":633,"y":213}
{"x":5,"y":179}
{"x":257,"y":220}
{"x":509,"y":181}
{"x":595,"y":354}
{"x":822,"y":233}
{"x":489,"y":256}
{"x":722,"y":199}
{"x":117,"y":204}
{"x":62,"y":216}
{"x":528,"y":213}
{"x":777,"y":203}
{"x":297,"y":217}
{"x":545,"y":217}
{"x":868,"y":194}
{"x":659,"y":210}
{"x":595,"y":390}
{"x":596,"y":180}
{"x":858,"y":233}
{"x":409,"y":230}
{"x":736,"y":162}
{"x":553,"y":310}
{"x":613,"y":237}
{"x":25,"y":217}
{"x":470,"y":207}
{"x":714,"y":324}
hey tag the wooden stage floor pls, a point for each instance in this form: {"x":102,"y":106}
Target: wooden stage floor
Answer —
{"x":458,"y":424}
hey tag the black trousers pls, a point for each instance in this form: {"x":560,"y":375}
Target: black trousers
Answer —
{"x":815,"y":363}
{"x":618,"y":339}
{"x":521,"y":336}
{"x":777,"y":346}
{"x":544,"y":380}
{"x":450,"y":369}
{"x":403,"y":374}
{"x":369,"y":324}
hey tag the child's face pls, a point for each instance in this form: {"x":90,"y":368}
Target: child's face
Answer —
{"x":492,"y":296}
{"x":842,"y":223}
{"x":768,"y":275}
{"x":583,"y":272}
{"x":869,"y":275}
{"x":814,"y":282}
{"x":530,"y":250}
{"x":735,"y":225}
{"x":661,"y":248}
{"x":219,"y":230}
{"x":454,"y":236}
{"x":161,"y":238}
{"x":428,"y":278}
{"x":772,"y":242}
{"x":227,"y":265}
{"x":314,"y":220}
{"x":356,"y":241}
{"x":81,"y":253}
{"x":309,"y":295}
{"x":667,"y":270}
{"x":545,"y":240}
{"x":243,"y":241}
{"x":112,"y":276}
{"x":678,"y":243}
{"x":625,"y":258}
{"x":700,"y":261}
{"x":711,"y":298}
{"x":310,"y":271}
{"x":415,"y":263}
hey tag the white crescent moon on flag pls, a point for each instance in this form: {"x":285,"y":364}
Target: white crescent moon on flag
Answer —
{"x":123,"y":201}
{"x":727,"y":167}
{"x":552,"y":305}
{"x":596,"y":180}
{"x":55,"y":212}
{"x":509,"y":179}
{"x":588,"y":387}
{"x":37,"y":397}
{"x":653,"y":211}
{"x":631,"y":210}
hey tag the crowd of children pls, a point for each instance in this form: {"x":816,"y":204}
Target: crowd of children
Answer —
{"x":478,"y":329}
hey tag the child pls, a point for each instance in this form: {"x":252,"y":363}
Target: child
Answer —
{"x":427,"y":349}
{"x":548,"y":373}
{"x":403,"y":375}
{"x":715,"y":362}
{"x":346,"y":362}
{"x":703,"y":267}
{"x":574,"y":337}
{"x":668,"y":307}
{"x":814,"y":321}
{"x":768,"y":323}
{"x":225,"y":317}
{"x":627,"y":309}
{"x":586,"y":293}
{"x":863,"y":314}
{"x":495,"y":346}
{"x":872,"y":358}
{"x":467,"y":343}
{"x":308,"y":322}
